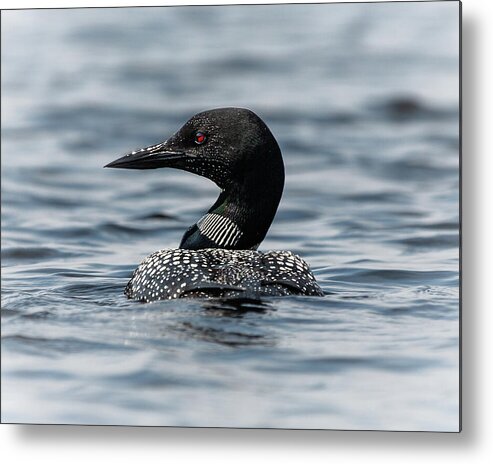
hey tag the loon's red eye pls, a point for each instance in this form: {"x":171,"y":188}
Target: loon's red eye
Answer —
{"x":200,"y":138}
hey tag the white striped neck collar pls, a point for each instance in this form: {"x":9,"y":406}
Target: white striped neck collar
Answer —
{"x":220,"y":230}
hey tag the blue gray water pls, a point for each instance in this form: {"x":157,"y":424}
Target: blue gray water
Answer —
{"x":363,"y":100}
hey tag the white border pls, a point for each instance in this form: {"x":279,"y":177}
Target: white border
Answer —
{"x":52,"y":444}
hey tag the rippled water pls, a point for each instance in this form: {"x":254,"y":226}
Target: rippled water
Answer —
{"x":363,"y":100}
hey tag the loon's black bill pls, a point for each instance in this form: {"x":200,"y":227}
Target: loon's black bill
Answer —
{"x":147,"y":159}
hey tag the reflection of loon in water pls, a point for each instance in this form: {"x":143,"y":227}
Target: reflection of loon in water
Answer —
{"x":217,"y":256}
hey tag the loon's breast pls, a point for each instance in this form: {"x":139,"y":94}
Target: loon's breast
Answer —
{"x":215,"y":272}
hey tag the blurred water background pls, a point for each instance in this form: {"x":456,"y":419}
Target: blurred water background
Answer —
{"x":363,"y":99}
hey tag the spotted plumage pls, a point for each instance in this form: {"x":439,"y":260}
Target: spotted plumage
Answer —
{"x":214,"y":272}
{"x":217,"y":256}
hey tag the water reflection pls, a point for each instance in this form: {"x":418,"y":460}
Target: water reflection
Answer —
{"x":236,"y":307}
{"x":234,"y":322}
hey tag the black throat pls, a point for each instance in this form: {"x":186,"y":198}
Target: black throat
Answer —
{"x":241,"y":216}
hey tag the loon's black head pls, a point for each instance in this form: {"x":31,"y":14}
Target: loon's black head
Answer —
{"x":225,"y":145}
{"x":234,"y":148}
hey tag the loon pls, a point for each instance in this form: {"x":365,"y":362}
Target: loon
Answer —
{"x":218,"y":255}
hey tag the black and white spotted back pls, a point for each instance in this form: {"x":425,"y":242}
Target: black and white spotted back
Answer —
{"x":215,"y":272}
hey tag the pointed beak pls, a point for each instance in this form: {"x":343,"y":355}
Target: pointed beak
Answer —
{"x":155,"y":156}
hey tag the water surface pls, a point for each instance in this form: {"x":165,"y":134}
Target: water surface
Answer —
{"x":363,"y":100}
